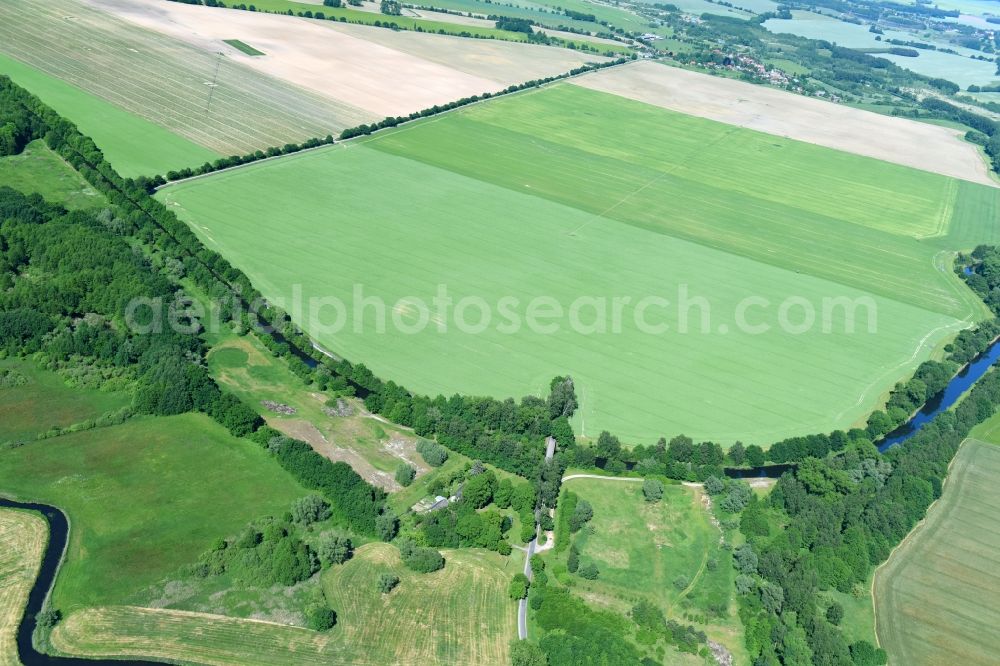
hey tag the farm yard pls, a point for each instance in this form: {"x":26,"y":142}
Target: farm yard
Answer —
{"x":377,"y":72}
{"x":461,"y":614}
{"x":587,"y":193}
{"x":936,"y":597}
{"x":23,"y":536}
{"x":144,"y":498}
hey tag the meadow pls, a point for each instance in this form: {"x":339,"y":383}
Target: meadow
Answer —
{"x":643,"y":550}
{"x":45,"y":401}
{"x":117,"y":81}
{"x":143,"y":499}
{"x":461,"y":614}
{"x":936,"y":596}
{"x":23,"y":536}
{"x":588,"y":194}
{"x":39,"y":170}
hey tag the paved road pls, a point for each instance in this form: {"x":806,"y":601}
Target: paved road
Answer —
{"x":522,"y":606}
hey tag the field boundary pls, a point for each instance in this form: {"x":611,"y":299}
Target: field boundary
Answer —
{"x":558,"y":78}
{"x":910,"y":536}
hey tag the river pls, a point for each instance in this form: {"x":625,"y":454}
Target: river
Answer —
{"x":58,"y":534}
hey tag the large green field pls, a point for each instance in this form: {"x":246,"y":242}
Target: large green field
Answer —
{"x":143,"y":499}
{"x":45,"y":401}
{"x":566,"y":193}
{"x":459,"y":615}
{"x":937,"y":599}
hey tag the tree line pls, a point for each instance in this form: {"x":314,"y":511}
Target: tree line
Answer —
{"x":351,"y":132}
{"x":840,"y":516}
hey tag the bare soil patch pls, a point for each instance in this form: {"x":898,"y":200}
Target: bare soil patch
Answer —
{"x":381,"y":71}
{"x":898,"y":140}
{"x":307,"y":432}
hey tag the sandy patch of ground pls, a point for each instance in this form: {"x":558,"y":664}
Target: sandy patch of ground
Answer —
{"x":378,"y":70}
{"x":907,"y":142}
{"x":307,"y":432}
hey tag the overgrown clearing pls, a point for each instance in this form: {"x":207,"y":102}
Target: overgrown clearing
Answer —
{"x":643,"y":550}
{"x":937,"y":599}
{"x":908,"y":142}
{"x":373,"y":448}
{"x":133,"y":144}
{"x":213,"y":101}
{"x":144,"y":498}
{"x":39,"y":170}
{"x":377,"y":71}
{"x":459,"y":615}
{"x":23,"y":536}
{"x":45,"y":401}
{"x":567,"y":192}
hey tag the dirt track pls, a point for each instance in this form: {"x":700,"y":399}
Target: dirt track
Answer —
{"x":766,"y":109}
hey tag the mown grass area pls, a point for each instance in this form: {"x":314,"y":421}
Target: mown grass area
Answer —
{"x":459,"y":615}
{"x":144,"y":498}
{"x":133,"y":145}
{"x":23,"y":536}
{"x":244,"y":47}
{"x":936,"y":599}
{"x":665,"y":552}
{"x":38,"y":170}
{"x":45,"y":401}
{"x":566,"y":193}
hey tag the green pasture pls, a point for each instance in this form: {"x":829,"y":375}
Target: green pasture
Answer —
{"x":39,"y":170}
{"x":587,"y":195}
{"x":936,"y":599}
{"x":133,"y":145}
{"x":144,"y":498}
{"x":46,"y":401}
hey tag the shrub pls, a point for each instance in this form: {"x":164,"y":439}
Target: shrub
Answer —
{"x":335,"y":550}
{"x":320,"y":618}
{"x":433,"y":454}
{"x":387,"y":582}
{"x":519,"y":585}
{"x":589,"y":571}
{"x":419,"y":558}
{"x":652,"y":490}
{"x":310,"y":509}
{"x":405,"y":475}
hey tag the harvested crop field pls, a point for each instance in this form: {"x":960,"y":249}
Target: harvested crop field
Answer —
{"x":920,"y":145}
{"x":937,"y":599}
{"x":383,"y":72}
{"x":459,"y":615}
{"x":212,"y":100}
{"x":566,"y":193}
{"x":22,"y":541}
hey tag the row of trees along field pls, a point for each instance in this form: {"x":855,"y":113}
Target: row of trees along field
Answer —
{"x":351,"y":132}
